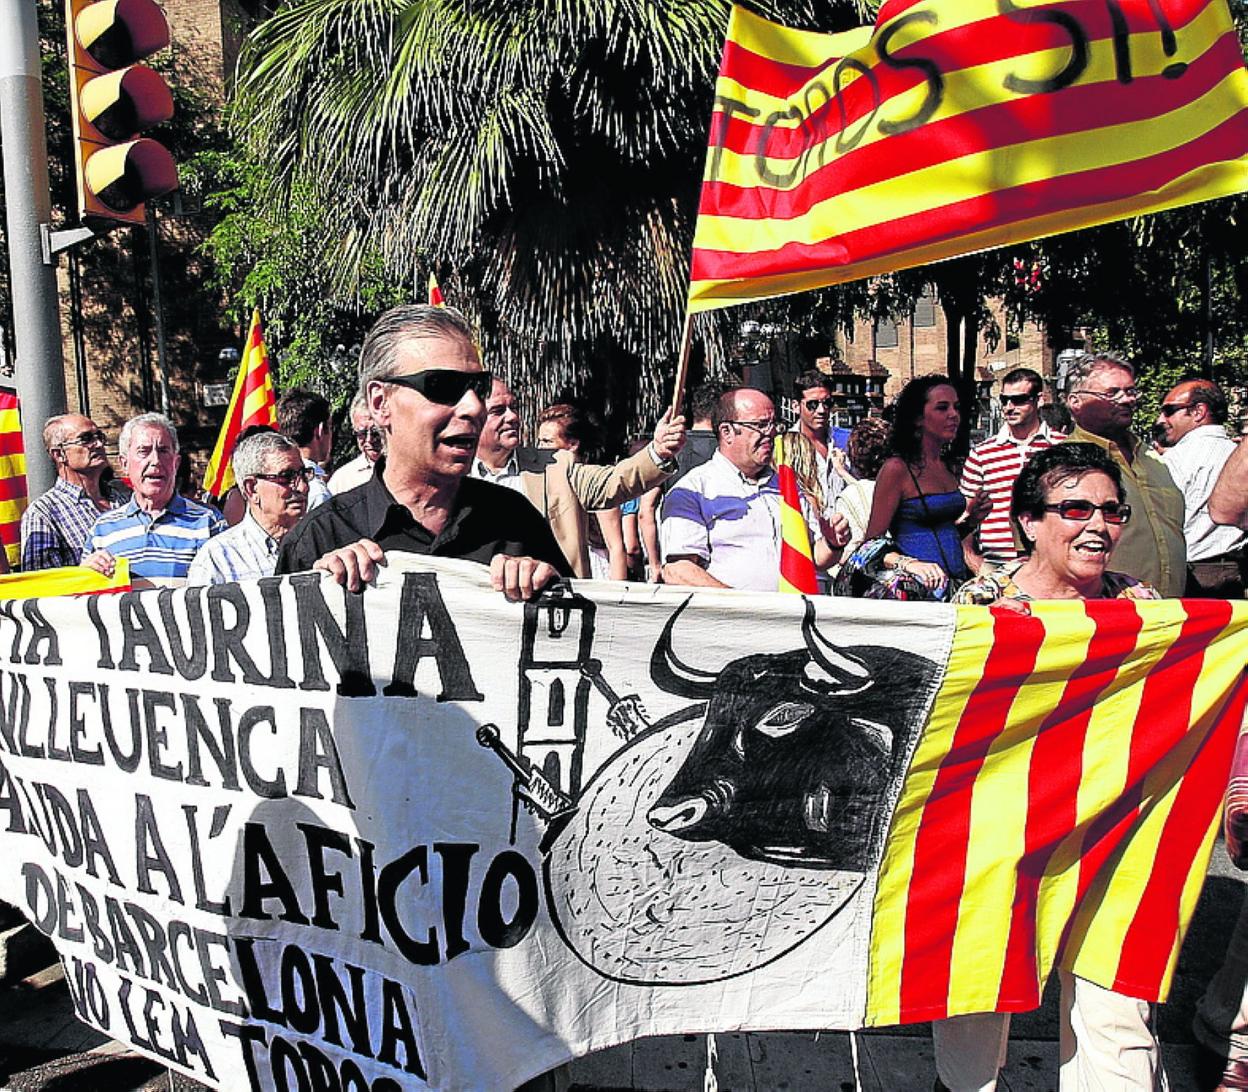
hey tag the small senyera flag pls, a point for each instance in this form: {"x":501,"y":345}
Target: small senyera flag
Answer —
{"x":13,"y":496}
{"x":797,"y":565}
{"x":435,"y":293}
{"x":252,"y":403}
{"x":954,"y":126}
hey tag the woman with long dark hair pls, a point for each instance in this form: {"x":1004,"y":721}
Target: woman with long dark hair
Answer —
{"x":916,"y":498}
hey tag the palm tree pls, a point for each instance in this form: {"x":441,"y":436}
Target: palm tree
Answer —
{"x":543,"y":157}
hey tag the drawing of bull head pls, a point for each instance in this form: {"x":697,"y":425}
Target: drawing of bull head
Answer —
{"x":798,"y":749}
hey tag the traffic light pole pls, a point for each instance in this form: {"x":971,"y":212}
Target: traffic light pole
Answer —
{"x":36,"y":317}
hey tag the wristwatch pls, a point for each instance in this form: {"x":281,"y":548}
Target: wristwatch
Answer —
{"x":668,"y":466}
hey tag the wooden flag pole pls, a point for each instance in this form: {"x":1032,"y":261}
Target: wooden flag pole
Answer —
{"x":682,"y":368}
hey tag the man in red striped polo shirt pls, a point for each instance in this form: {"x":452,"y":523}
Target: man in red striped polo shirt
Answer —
{"x":993,"y":465}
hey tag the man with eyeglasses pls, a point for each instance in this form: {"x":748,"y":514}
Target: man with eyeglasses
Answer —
{"x":274,"y":482}
{"x":1102,"y":400}
{"x":368,"y":440}
{"x":159,"y":531}
{"x":720,"y":527}
{"x":56,"y":525}
{"x":1193,"y":423}
{"x":563,"y":490}
{"x":425,"y":389}
{"x":994,"y":465}
{"x":812,"y":399}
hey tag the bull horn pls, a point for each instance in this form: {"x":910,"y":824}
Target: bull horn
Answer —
{"x":673,"y":676}
{"x":846,"y":673}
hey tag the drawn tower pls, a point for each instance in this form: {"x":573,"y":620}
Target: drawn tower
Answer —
{"x":554,"y":693}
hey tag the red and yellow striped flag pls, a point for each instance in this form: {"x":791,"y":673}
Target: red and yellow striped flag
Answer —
{"x":797,"y":564}
{"x":954,"y":126}
{"x":1060,"y":807}
{"x":435,"y":293}
{"x":13,"y":497}
{"x":252,"y":403}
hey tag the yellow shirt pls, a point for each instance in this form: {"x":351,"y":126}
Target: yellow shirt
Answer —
{"x":1152,"y":547}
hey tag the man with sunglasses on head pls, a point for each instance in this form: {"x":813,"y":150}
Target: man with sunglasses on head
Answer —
{"x":56,"y":525}
{"x":812,"y":399}
{"x":422,"y":380}
{"x":368,"y":440}
{"x":563,"y":490}
{"x":720,"y":527}
{"x":1192,"y":422}
{"x":994,"y":465}
{"x":274,"y":481}
{"x":1102,"y":400}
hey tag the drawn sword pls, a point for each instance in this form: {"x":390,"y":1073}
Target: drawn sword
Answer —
{"x":627,"y":716}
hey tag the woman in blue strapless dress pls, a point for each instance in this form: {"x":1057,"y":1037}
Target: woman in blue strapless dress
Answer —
{"x":917,"y":498}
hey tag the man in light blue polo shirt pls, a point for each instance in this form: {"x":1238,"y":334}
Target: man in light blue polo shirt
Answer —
{"x":158,"y":531}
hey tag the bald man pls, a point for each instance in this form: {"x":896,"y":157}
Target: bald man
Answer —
{"x":1193,"y":425}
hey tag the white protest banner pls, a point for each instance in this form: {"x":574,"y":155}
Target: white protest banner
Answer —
{"x":289,"y":837}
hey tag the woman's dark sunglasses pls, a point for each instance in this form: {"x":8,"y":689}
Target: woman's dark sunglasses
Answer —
{"x":446,"y":386}
{"x":1081,"y":511}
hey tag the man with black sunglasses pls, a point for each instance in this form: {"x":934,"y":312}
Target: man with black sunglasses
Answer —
{"x":422,"y":380}
{"x":1102,"y":400}
{"x":367,"y":439}
{"x":812,"y":399}
{"x":56,"y":525}
{"x":994,"y":465}
{"x":1193,"y":421}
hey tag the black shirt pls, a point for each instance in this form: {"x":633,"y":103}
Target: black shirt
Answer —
{"x":486,"y":520}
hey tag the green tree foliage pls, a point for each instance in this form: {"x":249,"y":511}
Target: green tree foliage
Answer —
{"x":542,"y":158}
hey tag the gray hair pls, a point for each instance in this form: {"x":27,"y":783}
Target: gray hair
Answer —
{"x":359,"y":404}
{"x":406,"y":322}
{"x":1083,"y":366}
{"x":145,"y":420}
{"x":251,"y":454}
{"x":54,"y":430}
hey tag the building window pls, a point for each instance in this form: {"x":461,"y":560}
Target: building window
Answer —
{"x":925,"y":308}
{"x":885,"y":334}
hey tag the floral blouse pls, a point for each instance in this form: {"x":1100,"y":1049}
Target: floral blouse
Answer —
{"x":987,"y":588}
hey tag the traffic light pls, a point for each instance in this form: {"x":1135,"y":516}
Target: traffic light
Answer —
{"x":113,"y":100}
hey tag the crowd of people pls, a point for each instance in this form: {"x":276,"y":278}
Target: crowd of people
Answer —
{"x":1064,"y":502}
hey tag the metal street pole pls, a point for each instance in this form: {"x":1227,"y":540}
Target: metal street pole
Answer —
{"x":36,"y":319}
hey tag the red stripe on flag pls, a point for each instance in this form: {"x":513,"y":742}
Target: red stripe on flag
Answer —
{"x":939,"y":872}
{"x":13,"y":488}
{"x":762,"y":73}
{"x":796,"y":568}
{"x":1122,"y":181}
{"x":1164,"y":714}
{"x":11,"y":533}
{"x":11,"y":443}
{"x":1167,"y":713}
{"x":1000,"y":125}
{"x":1053,"y":787}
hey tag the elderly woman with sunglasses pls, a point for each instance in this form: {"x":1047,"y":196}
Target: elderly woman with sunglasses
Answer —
{"x":1069,"y":510}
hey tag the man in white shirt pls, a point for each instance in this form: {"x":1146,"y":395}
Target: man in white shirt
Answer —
{"x":1192,"y":418}
{"x":720,"y":526}
{"x":812,"y":400}
{"x":305,"y":417}
{"x":273,"y":479}
{"x":368,"y":440}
